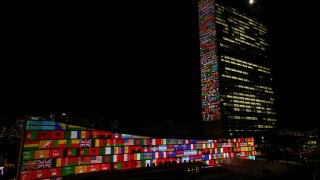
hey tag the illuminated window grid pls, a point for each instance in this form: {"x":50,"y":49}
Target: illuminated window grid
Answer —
{"x":248,"y":108}
{"x":257,"y":88}
{"x":265,"y":126}
{"x":235,"y":77}
{"x":242,"y":26}
{"x":240,"y":97}
{"x":251,"y":23}
{"x":236,"y":70}
{"x":242,"y":63}
{"x":252,"y":88}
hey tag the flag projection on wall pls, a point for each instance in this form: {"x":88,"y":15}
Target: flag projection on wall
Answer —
{"x":89,"y":150}
{"x":209,"y":62}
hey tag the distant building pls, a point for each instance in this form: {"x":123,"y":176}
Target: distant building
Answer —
{"x":237,"y":97}
{"x":303,"y":142}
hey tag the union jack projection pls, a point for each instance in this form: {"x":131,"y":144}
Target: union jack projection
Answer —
{"x":53,"y":150}
{"x":85,"y":142}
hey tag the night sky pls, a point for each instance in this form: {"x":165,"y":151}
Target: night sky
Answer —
{"x":139,"y":62}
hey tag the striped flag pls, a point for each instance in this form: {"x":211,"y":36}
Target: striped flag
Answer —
{"x":147,"y":155}
{"x":175,"y":141}
{"x":31,"y":145}
{"x":164,"y":141}
{"x":118,"y":150}
{"x":157,"y":155}
{"x":99,"y":143}
{"x":84,"y":160}
{"x":128,"y":142}
{"x":85,"y":134}
{"x":60,"y":143}
{"x":165,"y":154}
{"x":118,"y":158}
{"x":84,"y":152}
{"x":72,"y":161}
{"x":115,"y":158}
{"x":119,"y":142}
{"x":110,"y":142}
{"x":162,"y":148}
{"x":60,"y":162}
{"x":75,"y":134}
{"x":40,"y":125}
{"x":155,"y":141}
{"x":73,"y":143}
{"x":118,"y":166}
{"x":128,"y":157}
{"x":71,"y":152}
{"x":108,"y":150}
{"x":127,"y":149}
{"x":31,"y":135}
{"x":137,"y":156}
{"x":179,"y":153}
{"x":126,"y":136}
{"x":96,"y":159}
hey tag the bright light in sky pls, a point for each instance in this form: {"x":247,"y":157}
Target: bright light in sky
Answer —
{"x":251,"y":2}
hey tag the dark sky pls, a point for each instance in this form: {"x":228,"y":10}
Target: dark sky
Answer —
{"x":293,"y":43}
{"x":137,"y":61}
{"x":293,"y":38}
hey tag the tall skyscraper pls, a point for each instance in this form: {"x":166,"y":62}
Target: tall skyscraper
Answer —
{"x":237,"y":96}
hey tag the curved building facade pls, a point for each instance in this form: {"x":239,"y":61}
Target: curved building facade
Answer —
{"x":54,"y":150}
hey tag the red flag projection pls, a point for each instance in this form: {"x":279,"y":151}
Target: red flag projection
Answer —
{"x":47,"y":156}
{"x":209,"y":61}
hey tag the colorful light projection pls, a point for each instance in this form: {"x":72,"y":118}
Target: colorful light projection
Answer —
{"x":209,"y":61}
{"x":53,"y":150}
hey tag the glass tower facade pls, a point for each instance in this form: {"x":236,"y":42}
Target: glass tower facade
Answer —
{"x":239,"y":59}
